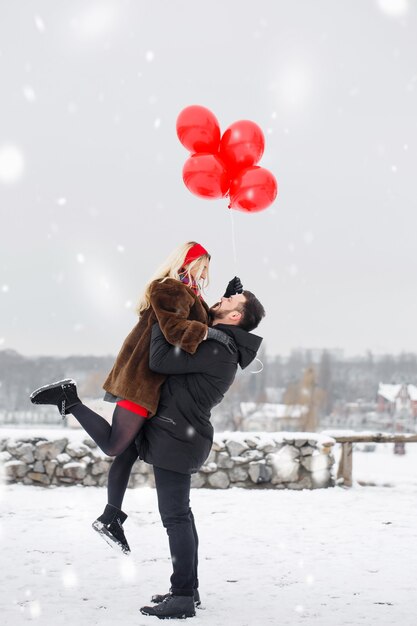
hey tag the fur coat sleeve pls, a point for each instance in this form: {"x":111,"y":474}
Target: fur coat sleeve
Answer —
{"x":172,"y":302}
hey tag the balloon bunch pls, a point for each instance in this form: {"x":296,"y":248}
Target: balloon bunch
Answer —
{"x":225,"y":165}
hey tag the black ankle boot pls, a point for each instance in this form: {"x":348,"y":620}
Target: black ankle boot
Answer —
{"x":157,"y":598}
{"x":173,"y":606}
{"x":63,"y":393}
{"x":110,"y":528}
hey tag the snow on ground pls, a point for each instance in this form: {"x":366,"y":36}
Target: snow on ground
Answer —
{"x":331,"y":557}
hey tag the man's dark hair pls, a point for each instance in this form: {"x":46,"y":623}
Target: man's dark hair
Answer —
{"x":252,"y":312}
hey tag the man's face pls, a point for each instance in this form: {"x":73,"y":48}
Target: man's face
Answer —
{"x":227,"y":306}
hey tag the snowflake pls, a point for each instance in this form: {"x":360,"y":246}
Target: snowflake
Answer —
{"x":39,"y":23}
{"x":29,"y":93}
{"x":127,"y":569}
{"x":308,"y":237}
{"x":69,"y":578}
{"x":35,"y":609}
{"x":95,"y":21}
{"x":394,"y":8}
{"x":149,"y":56}
{"x":11,"y":164}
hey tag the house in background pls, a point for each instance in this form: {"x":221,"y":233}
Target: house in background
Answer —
{"x":270,"y":417}
{"x":399,"y":403}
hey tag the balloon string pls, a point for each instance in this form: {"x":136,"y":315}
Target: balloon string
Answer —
{"x":233,"y":238}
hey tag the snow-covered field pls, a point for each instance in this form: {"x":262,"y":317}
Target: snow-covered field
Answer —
{"x":326,"y":557}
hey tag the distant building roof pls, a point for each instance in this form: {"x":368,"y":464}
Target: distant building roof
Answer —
{"x":391,"y":391}
{"x":272,"y":410}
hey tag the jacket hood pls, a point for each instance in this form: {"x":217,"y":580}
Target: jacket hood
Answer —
{"x":247,"y":343}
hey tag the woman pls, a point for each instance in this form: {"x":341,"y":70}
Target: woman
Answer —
{"x":173,"y":298}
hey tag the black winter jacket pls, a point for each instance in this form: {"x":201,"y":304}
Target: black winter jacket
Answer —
{"x":179,"y":437}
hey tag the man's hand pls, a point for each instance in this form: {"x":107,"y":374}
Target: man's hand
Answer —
{"x":234,"y":287}
{"x":221,"y":337}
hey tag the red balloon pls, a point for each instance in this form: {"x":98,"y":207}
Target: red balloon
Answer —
{"x":253,"y":189}
{"x":206,"y":176}
{"x":198,"y":129}
{"x":241,"y":145}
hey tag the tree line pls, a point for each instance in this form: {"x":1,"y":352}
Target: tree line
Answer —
{"x":340,"y":379}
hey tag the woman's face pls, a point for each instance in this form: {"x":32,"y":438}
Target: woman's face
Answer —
{"x":203,"y":266}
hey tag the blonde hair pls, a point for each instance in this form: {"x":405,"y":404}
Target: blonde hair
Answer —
{"x":171,"y":269}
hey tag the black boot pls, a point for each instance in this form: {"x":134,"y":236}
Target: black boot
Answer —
{"x":63,"y":393}
{"x":110,"y":528}
{"x":173,"y":606}
{"x":161,"y":597}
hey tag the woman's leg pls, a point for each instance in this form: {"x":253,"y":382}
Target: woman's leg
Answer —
{"x":119,"y":474}
{"x":110,"y":524}
{"x":173,"y":491}
{"x":112,"y":439}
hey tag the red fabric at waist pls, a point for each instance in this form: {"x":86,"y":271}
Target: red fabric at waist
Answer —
{"x":135,"y":408}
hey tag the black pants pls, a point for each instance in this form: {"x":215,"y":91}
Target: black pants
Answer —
{"x":173,"y":490}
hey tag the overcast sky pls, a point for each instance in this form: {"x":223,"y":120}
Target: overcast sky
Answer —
{"x":91,"y":192}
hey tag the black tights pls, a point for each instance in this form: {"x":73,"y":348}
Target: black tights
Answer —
{"x":112,"y":439}
{"x":119,"y":475}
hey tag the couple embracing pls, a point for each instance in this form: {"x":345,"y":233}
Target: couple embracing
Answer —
{"x":174,"y":366}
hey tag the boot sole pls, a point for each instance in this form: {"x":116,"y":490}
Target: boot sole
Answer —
{"x":181,"y":615}
{"x":109,"y":539}
{"x":58,"y":383}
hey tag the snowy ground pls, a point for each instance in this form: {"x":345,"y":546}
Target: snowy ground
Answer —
{"x":326,"y":557}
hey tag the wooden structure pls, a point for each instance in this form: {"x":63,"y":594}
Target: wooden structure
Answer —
{"x":344,"y":470}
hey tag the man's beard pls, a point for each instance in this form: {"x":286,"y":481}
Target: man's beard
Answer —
{"x":215,"y":314}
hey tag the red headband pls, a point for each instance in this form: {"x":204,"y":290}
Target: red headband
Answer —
{"x":195,"y":253}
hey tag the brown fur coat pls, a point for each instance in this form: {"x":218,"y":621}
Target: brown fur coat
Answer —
{"x":182,"y":317}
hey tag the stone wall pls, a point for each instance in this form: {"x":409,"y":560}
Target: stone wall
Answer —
{"x":241,"y":459}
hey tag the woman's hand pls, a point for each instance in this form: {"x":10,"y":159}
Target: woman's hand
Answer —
{"x":223,"y":338}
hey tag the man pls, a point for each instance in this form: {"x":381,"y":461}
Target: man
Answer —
{"x":178,"y":439}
